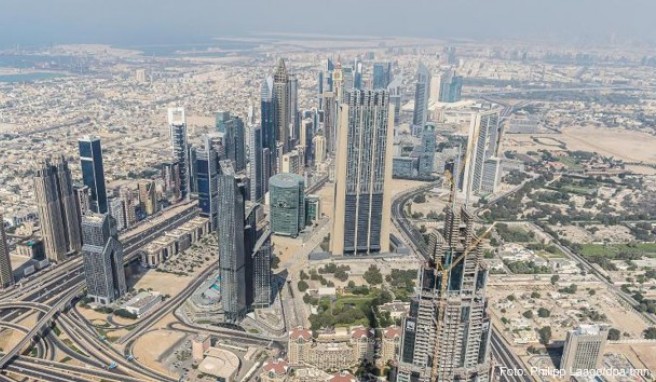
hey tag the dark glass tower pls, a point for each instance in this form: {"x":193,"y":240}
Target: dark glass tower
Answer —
{"x":269,"y":133}
{"x":207,"y":181}
{"x":93,"y":174}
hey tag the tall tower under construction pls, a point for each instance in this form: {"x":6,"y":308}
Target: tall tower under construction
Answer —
{"x":446,"y":336}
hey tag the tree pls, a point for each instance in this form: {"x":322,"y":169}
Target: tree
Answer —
{"x":373,"y":276}
{"x":535,"y":295}
{"x":650,"y":333}
{"x":302,"y":286}
{"x":544,"y":312}
{"x":545,"y":335}
{"x":341,"y":275}
{"x":511,"y":297}
{"x":528,"y":314}
{"x":613,"y":334}
{"x":421,"y":198}
{"x":554,"y":279}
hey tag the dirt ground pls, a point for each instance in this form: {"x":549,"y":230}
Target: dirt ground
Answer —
{"x":153,"y":344}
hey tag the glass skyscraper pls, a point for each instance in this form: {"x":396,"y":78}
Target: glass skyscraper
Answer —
{"x":178,"y":132}
{"x":287,"y":204}
{"x":93,"y":174}
{"x":207,"y":184}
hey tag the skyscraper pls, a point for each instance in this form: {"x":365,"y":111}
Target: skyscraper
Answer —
{"x":6,"y":272}
{"x":382,"y":75}
{"x":58,"y":213}
{"x":482,"y":145}
{"x":207,"y":181}
{"x":450,"y":87}
{"x":178,"y":133}
{"x":319,"y":145}
{"x":330,"y":121}
{"x":422,"y":93}
{"x":262,"y":277}
{"x":117,"y":211}
{"x":234,"y":137}
{"x":232,"y":256}
{"x":363,"y":173}
{"x":256,"y":164}
{"x":287,"y":204}
{"x":584,"y":349}
{"x":93,"y":173}
{"x":147,"y":196}
{"x":427,"y":151}
{"x":446,"y":335}
{"x":295,"y":121}
{"x":282,"y":105}
{"x":103,"y":259}
{"x":83,"y":199}
{"x":269,"y":132}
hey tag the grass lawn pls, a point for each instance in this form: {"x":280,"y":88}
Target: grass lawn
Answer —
{"x":612,"y":250}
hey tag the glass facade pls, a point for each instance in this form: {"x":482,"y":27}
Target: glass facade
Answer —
{"x":93,"y":174}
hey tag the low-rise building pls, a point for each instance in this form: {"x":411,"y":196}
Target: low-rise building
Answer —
{"x":199,"y":345}
{"x":220,"y":363}
{"x":142,"y":303}
{"x":335,"y":349}
{"x":276,"y":370}
{"x":390,"y":345}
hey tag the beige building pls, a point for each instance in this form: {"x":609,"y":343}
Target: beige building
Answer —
{"x":363,"y":175}
{"x":291,"y":162}
{"x":199,"y":345}
{"x":319,"y":144}
{"x":276,"y":370}
{"x":336,"y":349}
{"x":390,"y":345}
{"x":147,"y":196}
{"x":584,"y":349}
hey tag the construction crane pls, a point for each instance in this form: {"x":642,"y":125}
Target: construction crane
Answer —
{"x":442,"y":271}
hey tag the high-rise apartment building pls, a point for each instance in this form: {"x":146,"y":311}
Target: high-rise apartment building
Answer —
{"x":58,"y":213}
{"x":446,"y":335}
{"x":232,"y":254}
{"x":584,"y":349}
{"x":178,"y":133}
{"x":93,"y":173}
{"x":287,"y":204}
{"x":295,"y":121}
{"x":262,"y":277}
{"x":422,"y":94}
{"x":482,"y":146}
{"x":83,"y":199}
{"x":103,"y":259}
{"x":292,"y":163}
{"x":117,"y":211}
{"x":319,"y":145}
{"x":6,"y":271}
{"x":330,"y":110}
{"x":363,"y":173}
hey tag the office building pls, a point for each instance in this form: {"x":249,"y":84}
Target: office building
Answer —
{"x":6,"y":271}
{"x":233,"y":132}
{"x":207,"y":181}
{"x":446,"y":335}
{"x":307,"y":135}
{"x":312,"y":209}
{"x":330,"y":110}
{"x":58,"y":213}
{"x":93,"y":173}
{"x":426,"y":163}
{"x":382,"y":75}
{"x":422,"y":93}
{"x":232,"y":255}
{"x":171,"y":177}
{"x":482,"y":146}
{"x":256,"y":164}
{"x":282,"y":105}
{"x":103,"y":259}
{"x":269,"y":132}
{"x":583,"y":351}
{"x":128,"y":207}
{"x":287,"y":204}
{"x":147,"y":196}
{"x":450,"y":87}
{"x":363,"y":173}
{"x":178,"y":133}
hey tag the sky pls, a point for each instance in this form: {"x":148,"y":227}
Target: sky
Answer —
{"x":134,"y":22}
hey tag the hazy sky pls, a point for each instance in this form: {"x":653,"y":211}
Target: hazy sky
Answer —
{"x":161,"y":21}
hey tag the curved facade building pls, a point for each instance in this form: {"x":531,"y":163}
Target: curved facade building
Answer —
{"x":287,"y":200}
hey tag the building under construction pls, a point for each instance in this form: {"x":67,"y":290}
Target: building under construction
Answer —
{"x":446,"y":336}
